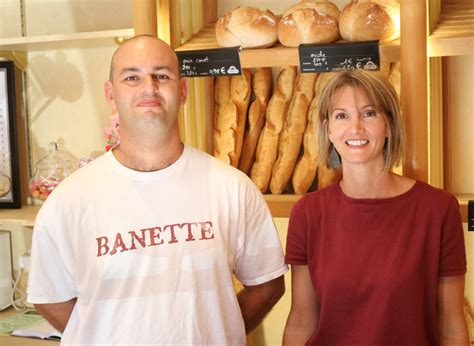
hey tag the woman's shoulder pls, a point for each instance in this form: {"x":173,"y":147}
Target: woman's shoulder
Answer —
{"x":319,"y":198}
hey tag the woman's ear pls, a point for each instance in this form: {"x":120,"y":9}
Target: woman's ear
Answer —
{"x":326,"y":129}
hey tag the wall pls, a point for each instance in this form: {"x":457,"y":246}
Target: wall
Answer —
{"x":459,"y":146}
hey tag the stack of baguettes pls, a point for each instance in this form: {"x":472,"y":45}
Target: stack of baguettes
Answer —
{"x":269,"y":129}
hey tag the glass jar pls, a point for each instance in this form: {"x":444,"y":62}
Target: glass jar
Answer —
{"x":50,"y":171}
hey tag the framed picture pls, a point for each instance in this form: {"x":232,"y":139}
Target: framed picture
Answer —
{"x":9,"y":170}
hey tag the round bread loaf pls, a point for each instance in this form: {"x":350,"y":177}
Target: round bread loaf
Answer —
{"x":309,"y":22}
{"x":366,"y":20}
{"x":248,"y":27}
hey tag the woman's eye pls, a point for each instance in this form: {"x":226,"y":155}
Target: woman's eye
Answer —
{"x":370,"y":114}
{"x":340,"y":116}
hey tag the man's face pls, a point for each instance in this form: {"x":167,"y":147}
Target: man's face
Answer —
{"x":146,"y":89}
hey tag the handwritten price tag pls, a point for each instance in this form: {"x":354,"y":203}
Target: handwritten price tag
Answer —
{"x":211,"y":62}
{"x":339,"y":56}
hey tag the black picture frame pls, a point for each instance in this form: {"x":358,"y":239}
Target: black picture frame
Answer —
{"x":9,"y":162}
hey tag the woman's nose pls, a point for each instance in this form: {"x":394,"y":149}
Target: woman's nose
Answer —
{"x":356,"y":124}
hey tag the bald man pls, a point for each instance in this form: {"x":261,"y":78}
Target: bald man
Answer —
{"x":141,"y":245}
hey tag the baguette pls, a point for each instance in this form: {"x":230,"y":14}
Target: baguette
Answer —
{"x":230,"y":116}
{"x":266,"y":152}
{"x":395,"y":78}
{"x":289,"y":142}
{"x":325,"y":175}
{"x":307,"y":165}
{"x":261,"y":85}
{"x":222,"y":124}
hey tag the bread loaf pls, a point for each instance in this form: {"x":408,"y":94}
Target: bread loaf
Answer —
{"x":262,"y":87}
{"x":395,"y":78}
{"x":289,"y":143}
{"x":366,"y":20}
{"x":307,"y":165}
{"x":309,"y":22}
{"x":266,"y":152}
{"x":223,"y":142}
{"x":230,"y":117}
{"x":325,"y":175}
{"x":248,"y":27}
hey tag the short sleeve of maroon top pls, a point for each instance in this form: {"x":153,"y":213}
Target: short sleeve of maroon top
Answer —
{"x":375,"y":263}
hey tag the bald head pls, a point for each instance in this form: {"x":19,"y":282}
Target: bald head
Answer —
{"x":142,"y":43}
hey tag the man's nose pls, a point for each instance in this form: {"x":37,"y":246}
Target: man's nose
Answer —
{"x":151,"y":83}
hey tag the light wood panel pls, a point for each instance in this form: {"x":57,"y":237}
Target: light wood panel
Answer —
{"x":144,"y":17}
{"x":414,"y":98}
{"x":452,"y":25}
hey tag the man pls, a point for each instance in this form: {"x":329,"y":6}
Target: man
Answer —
{"x":141,"y":244}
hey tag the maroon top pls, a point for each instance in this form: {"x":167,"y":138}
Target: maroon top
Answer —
{"x":375,"y":263}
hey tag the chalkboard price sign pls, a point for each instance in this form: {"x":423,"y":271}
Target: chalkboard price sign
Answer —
{"x":208,"y":63}
{"x":339,"y":56}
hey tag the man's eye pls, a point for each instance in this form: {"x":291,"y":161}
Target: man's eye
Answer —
{"x":131,"y":78}
{"x":162,"y":77}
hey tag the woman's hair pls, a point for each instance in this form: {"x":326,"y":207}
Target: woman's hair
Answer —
{"x":382,"y":97}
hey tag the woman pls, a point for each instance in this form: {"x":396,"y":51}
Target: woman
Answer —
{"x":376,"y":258}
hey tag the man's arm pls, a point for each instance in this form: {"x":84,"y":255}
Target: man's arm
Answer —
{"x":304,"y":313}
{"x":57,"y":313}
{"x":451,"y":322}
{"x":256,"y":301}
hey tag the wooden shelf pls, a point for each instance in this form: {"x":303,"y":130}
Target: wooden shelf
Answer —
{"x":280,"y":205}
{"x":25,"y":216}
{"x":454,"y":32}
{"x":58,"y":41}
{"x":463,"y":199}
{"x":277,"y":55}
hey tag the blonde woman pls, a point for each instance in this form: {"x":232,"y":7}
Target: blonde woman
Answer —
{"x":376,"y":258}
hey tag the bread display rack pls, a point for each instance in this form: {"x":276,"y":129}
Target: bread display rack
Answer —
{"x":277,"y":55}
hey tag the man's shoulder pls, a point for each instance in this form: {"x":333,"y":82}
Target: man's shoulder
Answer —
{"x":215,"y":165}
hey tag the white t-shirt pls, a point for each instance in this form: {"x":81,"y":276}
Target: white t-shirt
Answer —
{"x":150,"y":255}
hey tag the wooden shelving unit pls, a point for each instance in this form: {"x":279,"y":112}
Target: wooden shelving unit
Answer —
{"x":463,"y":199}
{"x":57,"y":41}
{"x":277,"y":55}
{"x":25,"y":216}
{"x":454,"y":31}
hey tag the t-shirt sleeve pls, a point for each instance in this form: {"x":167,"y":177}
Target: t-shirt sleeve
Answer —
{"x":296,"y":240}
{"x":49,"y":279}
{"x":453,"y":253}
{"x":259,"y":257}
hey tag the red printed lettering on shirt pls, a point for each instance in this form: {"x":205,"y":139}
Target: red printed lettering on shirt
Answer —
{"x":155,"y":233}
{"x":102,"y":247}
{"x":153,"y":236}
{"x":118,"y":244}
{"x":171,"y":231}
{"x":135,"y":237}
{"x":206,"y":230}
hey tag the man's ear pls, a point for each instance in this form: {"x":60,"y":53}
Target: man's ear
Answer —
{"x":184,"y":86}
{"x":109,"y":93}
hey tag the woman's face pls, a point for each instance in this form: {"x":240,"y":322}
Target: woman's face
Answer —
{"x":355,"y":128}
